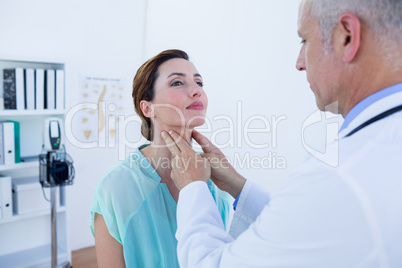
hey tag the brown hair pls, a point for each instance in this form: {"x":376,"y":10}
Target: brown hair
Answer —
{"x":143,"y":85}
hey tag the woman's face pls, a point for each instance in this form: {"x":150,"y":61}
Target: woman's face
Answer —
{"x":179,"y":99}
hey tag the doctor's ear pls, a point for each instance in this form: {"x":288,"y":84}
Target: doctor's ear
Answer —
{"x":147,"y":109}
{"x":349,"y":33}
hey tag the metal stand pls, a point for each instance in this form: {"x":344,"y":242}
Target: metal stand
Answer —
{"x":54,"y":230}
{"x":51,"y":156}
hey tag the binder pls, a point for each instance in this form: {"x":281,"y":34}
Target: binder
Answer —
{"x":17,"y":146}
{"x":60,"y":89}
{"x":9,"y":90}
{"x":6,"y":197}
{"x":1,"y":204}
{"x":40,"y":89}
{"x":8,"y":143}
{"x":50,"y":90}
{"x":13,"y":89}
{"x":29,"y":75}
{"x":1,"y":148}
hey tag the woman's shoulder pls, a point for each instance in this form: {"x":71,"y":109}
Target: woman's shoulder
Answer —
{"x":121,"y":193}
{"x":127,"y":181}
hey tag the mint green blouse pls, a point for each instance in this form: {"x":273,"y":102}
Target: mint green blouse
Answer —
{"x":140,"y":213}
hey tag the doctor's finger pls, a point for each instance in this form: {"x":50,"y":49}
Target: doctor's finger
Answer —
{"x":206,"y":144}
{"x":214,"y":160}
{"x":170,"y":143}
{"x":178,"y":165}
{"x":181,"y":143}
{"x":207,"y":156}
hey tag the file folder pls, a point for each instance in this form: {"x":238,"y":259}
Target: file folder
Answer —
{"x":8,"y":143}
{"x":6,"y":197}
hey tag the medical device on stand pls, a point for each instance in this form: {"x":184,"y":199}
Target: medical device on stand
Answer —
{"x":55,"y":170}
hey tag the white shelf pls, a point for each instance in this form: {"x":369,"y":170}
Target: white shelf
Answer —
{"x":4,"y":113}
{"x":22,"y":165}
{"x":35,"y":257}
{"x":26,"y":216}
{"x":25,"y":238}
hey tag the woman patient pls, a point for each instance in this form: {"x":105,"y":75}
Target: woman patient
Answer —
{"x":133,"y":211}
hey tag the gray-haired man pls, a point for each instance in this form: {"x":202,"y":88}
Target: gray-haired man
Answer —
{"x":347,"y":216}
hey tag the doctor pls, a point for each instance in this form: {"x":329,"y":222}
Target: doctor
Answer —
{"x":347,"y":216}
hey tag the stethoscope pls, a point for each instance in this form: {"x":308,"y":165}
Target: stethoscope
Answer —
{"x":375,"y":119}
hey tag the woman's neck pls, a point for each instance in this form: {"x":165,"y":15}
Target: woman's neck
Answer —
{"x":159,"y":156}
{"x":158,"y":149}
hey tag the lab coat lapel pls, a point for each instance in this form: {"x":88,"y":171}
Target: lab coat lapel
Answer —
{"x":372,"y":111}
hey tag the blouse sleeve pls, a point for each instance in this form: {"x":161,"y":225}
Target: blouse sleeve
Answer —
{"x":115,"y":200}
{"x":223,"y":201}
{"x":102,"y":204}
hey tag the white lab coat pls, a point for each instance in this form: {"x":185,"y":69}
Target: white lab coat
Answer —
{"x":347,"y":216}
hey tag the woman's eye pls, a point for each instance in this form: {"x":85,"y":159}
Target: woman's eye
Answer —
{"x":176,"y":84}
{"x":200,"y":84}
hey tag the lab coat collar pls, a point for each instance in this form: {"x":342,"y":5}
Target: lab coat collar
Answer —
{"x":373,"y":110}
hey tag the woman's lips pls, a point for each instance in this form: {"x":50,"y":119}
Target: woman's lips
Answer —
{"x":197,"y":105}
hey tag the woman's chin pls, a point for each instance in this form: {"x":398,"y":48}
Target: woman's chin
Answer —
{"x":196,"y":122}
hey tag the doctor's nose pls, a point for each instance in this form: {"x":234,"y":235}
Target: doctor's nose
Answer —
{"x":300,"y":62}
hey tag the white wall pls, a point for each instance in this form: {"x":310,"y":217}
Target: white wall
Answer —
{"x":245,"y":50}
{"x":93,"y":38}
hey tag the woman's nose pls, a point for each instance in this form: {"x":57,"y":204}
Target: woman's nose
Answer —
{"x":196,"y":90}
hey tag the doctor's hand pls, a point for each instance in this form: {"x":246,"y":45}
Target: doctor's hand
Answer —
{"x":187,"y":165}
{"x":223,"y":173}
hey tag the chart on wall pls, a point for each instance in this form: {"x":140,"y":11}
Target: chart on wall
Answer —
{"x":96,"y":118}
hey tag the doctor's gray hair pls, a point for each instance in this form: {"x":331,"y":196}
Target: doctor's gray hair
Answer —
{"x":383,"y":17}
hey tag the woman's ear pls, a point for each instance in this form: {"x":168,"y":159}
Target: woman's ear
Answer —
{"x":349,"y":35}
{"x":146,"y":108}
